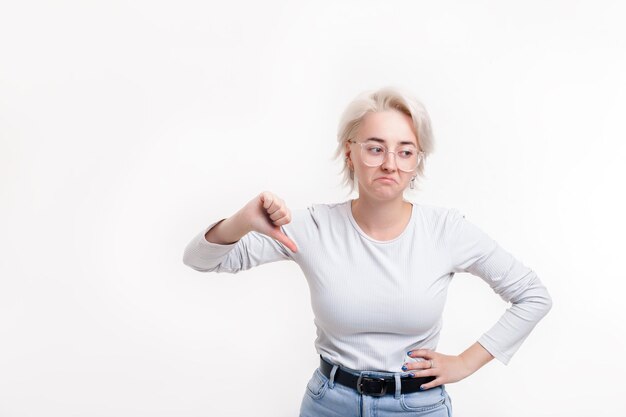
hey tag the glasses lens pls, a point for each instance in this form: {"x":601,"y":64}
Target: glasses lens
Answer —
{"x":406,"y":157}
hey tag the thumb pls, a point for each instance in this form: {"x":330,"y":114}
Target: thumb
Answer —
{"x":278,"y":234}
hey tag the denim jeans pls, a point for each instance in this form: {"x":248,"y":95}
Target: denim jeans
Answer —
{"x":324,"y":397}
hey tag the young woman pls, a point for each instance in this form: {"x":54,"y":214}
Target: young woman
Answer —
{"x":378,"y":268}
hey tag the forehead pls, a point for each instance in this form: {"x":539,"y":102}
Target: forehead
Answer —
{"x":388,"y":127}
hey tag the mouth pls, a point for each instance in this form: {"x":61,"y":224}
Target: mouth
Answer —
{"x":385,"y":179}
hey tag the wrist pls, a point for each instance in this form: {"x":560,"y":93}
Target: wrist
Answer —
{"x":237,"y":226}
{"x":475,"y":357}
{"x":467,"y":365}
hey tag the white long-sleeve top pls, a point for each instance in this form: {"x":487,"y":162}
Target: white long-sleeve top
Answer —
{"x":374,"y":300}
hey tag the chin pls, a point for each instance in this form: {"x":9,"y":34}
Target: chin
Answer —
{"x":387,"y":195}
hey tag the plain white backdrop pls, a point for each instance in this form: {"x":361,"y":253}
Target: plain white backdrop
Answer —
{"x":128,"y":126}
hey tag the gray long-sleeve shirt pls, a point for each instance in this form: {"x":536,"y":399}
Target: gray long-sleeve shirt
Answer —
{"x":373,"y":300}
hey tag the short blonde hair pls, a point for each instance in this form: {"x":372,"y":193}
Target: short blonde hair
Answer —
{"x":386,"y":98}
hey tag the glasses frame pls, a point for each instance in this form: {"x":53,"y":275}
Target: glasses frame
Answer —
{"x":420,"y":156}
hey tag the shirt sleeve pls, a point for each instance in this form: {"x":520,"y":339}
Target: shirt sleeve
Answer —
{"x":251,"y":250}
{"x":475,"y":252}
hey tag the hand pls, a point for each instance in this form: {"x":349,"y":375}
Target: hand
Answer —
{"x":446,"y":368}
{"x":265,"y":214}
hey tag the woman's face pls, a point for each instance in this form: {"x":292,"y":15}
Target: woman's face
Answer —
{"x":391,"y":129}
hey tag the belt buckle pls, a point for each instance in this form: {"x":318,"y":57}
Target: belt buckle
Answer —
{"x":369,"y":381}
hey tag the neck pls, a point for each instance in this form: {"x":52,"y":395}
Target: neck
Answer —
{"x":380,"y":215}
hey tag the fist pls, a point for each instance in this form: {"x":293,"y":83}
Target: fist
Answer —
{"x":265,"y":214}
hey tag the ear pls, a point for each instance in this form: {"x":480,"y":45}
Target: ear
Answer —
{"x":347,"y":153}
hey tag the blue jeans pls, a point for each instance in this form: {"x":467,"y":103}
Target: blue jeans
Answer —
{"x":325,"y":398}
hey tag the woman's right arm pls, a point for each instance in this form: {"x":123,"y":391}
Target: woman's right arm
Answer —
{"x":264,"y":214}
{"x":248,"y":238}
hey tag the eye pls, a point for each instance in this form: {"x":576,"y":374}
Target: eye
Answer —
{"x":406,"y":153}
{"x":374,"y":149}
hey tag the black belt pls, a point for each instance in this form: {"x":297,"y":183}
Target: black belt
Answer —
{"x":374,"y":386}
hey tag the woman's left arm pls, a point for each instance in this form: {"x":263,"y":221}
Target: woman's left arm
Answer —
{"x":473,"y":251}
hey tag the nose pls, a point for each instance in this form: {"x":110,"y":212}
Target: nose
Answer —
{"x":387,"y":164}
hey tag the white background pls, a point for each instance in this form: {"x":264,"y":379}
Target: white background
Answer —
{"x":128,"y":126}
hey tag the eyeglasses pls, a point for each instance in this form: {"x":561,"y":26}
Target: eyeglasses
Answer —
{"x":373,"y":155}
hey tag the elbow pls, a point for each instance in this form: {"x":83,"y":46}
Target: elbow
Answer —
{"x":202,"y":265}
{"x":540,"y":302}
{"x":540,"y":296}
{"x":535,"y":300}
{"x":188,"y":260}
{"x":547,"y":302}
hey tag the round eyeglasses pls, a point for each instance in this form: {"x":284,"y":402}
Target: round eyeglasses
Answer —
{"x":373,"y":154}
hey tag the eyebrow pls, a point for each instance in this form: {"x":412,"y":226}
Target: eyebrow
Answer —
{"x":384,"y":141}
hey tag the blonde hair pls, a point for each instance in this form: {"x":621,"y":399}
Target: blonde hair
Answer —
{"x":386,"y":98}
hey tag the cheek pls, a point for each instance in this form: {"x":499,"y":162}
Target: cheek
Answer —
{"x":361,"y":169}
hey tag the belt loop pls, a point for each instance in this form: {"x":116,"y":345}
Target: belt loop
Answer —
{"x":398,"y":386}
{"x":331,"y":384}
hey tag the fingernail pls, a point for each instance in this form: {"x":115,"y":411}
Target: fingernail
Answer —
{"x":404,"y":368}
{"x":422,"y":388}
{"x":412,"y":375}
{"x":409,"y":353}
